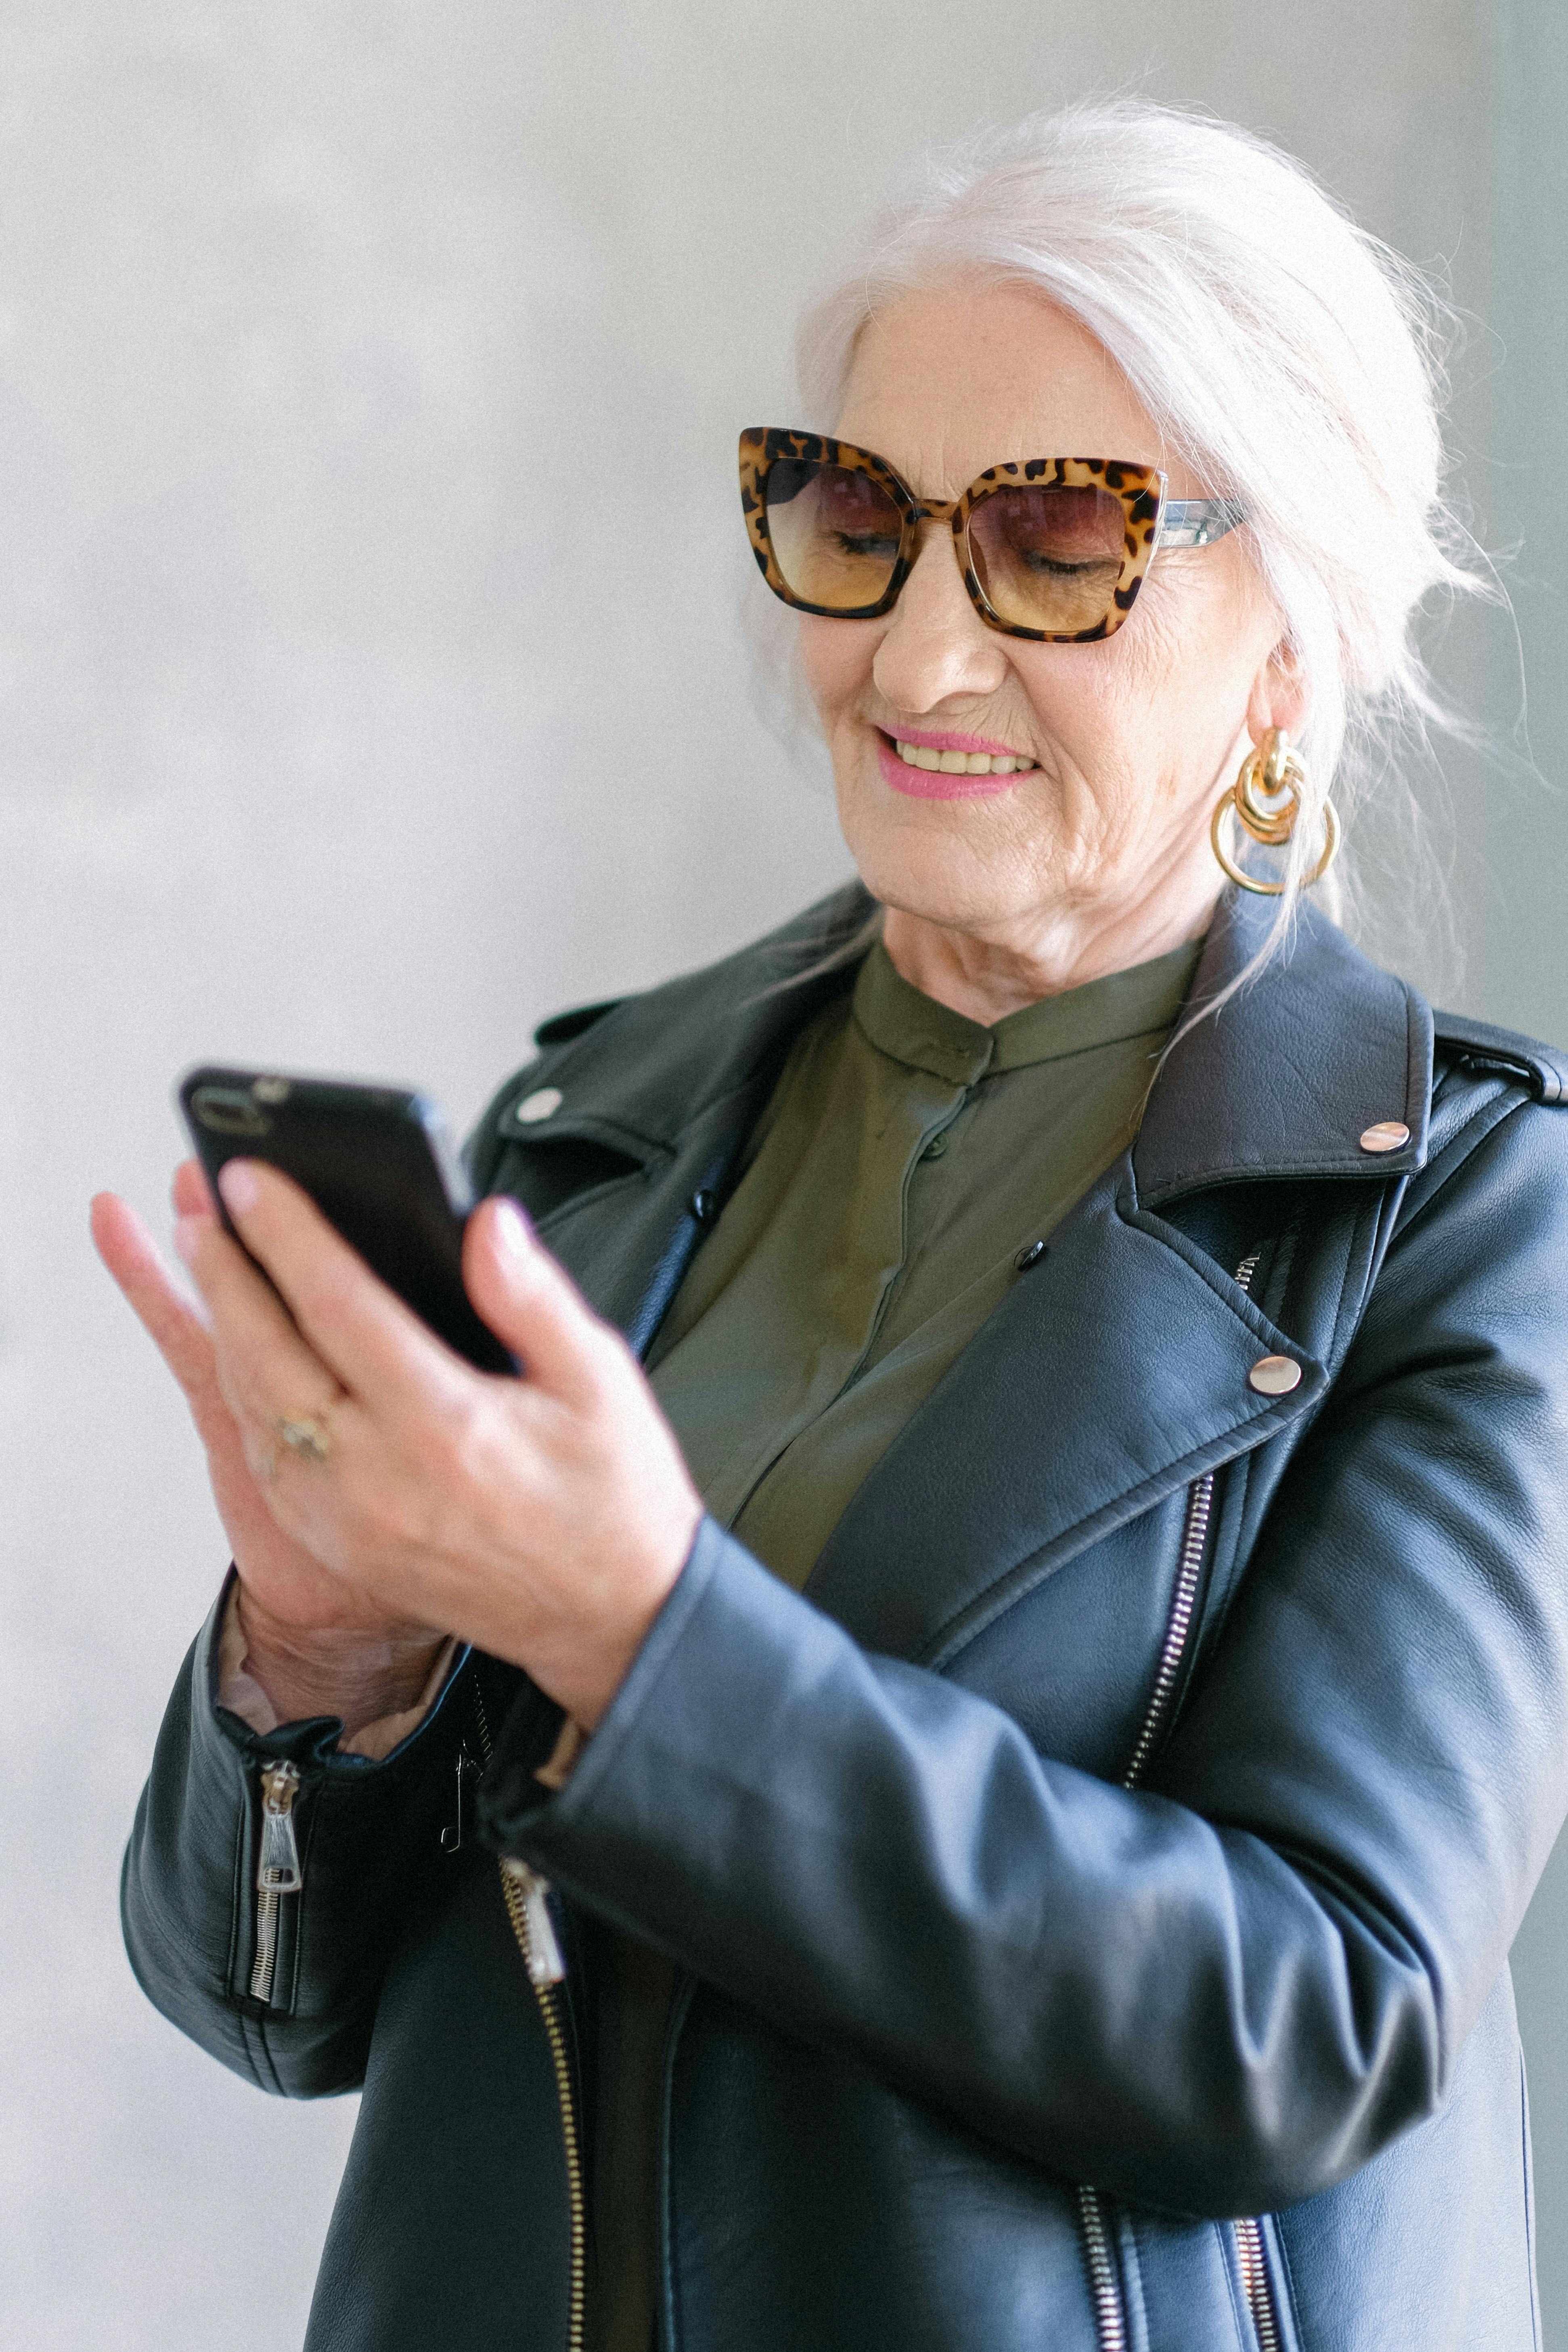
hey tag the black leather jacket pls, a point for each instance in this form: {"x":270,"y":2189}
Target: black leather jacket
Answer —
{"x":948,"y":1953}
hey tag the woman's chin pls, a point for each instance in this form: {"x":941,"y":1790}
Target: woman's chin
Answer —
{"x":924,"y":877}
{"x":947,"y":861}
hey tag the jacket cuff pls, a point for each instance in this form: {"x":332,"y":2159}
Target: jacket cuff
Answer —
{"x":613,"y":1786}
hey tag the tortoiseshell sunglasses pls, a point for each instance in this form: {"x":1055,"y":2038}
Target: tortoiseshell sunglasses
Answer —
{"x":1051,"y":548}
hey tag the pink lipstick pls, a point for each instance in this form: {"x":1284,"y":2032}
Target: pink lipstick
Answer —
{"x":937,"y":783}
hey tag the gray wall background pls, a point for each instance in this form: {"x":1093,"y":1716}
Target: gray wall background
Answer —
{"x":352,"y":714}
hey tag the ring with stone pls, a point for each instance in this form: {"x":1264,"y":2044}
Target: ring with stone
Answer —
{"x":305,"y":1434}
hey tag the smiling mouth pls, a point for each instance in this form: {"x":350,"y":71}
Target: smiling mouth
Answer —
{"x":950,"y":761}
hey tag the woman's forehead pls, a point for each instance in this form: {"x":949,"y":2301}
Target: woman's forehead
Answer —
{"x":947,"y":381}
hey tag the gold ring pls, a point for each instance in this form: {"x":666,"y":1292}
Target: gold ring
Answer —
{"x":306,"y":1437}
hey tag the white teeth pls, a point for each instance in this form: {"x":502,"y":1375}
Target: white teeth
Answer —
{"x":959,"y":763}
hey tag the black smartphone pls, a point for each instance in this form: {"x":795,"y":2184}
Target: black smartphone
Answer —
{"x":379,"y":1163}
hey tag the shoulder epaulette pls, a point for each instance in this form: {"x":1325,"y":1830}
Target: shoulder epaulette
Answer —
{"x":562,"y":1027}
{"x":1480,"y":1046}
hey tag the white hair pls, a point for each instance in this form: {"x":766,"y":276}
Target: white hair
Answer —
{"x":1291,"y":361}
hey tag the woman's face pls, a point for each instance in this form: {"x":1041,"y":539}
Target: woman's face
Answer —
{"x":1128,"y":742}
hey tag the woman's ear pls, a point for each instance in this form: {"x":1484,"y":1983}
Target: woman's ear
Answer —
{"x":1279,"y":697}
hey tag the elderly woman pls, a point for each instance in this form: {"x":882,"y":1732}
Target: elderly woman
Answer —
{"x":1018,"y":1735}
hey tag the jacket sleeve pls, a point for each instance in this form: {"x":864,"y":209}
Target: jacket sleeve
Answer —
{"x":369,"y":1840}
{"x":1226,"y":1990}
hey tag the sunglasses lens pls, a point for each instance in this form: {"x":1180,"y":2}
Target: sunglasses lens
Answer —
{"x":834,"y":534}
{"x":1048,"y":558}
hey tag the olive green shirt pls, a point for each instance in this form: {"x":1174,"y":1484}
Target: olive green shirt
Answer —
{"x":908,"y":1158}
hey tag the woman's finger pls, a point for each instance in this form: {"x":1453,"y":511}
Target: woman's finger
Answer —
{"x":267,"y":1369}
{"x":171,"y":1319}
{"x":373,"y":1345}
{"x":191,"y":1193}
{"x":174,"y":1319}
{"x":531,"y":1304}
{"x":260,"y":1545}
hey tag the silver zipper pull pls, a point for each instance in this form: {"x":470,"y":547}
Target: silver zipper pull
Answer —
{"x":545,"y":1965}
{"x":279,"y":1872}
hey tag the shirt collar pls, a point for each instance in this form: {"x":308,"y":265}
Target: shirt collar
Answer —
{"x":901,"y":1021}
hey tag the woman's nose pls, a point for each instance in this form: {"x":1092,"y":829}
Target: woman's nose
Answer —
{"x":936,"y":645}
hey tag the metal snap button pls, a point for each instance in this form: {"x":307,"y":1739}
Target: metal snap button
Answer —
{"x":1274,"y":1376}
{"x":1030,"y":1254}
{"x":535,"y":1107}
{"x":1388,"y":1135}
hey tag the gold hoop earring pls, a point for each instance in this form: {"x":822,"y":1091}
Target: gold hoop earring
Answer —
{"x":1267,"y":799}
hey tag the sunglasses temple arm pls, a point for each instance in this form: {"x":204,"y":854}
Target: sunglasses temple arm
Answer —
{"x":1194,"y":522}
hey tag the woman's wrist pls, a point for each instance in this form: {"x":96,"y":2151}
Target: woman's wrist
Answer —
{"x":583,"y":1666}
{"x":356,"y":1673}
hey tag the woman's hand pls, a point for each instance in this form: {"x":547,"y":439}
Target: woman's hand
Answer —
{"x":382,"y":1487}
{"x":315,"y":1649}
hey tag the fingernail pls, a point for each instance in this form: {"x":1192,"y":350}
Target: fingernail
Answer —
{"x":513,"y":1232}
{"x":236,"y":1182}
{"x":188,"y":1237}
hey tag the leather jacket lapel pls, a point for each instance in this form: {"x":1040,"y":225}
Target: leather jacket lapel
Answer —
{"x":1117,"y":1371}
{"x":1113,"y":1373}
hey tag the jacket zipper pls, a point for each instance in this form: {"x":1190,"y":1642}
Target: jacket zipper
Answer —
{"x":1105,"y":2291}
{"x":526,"y":1894}
{"x":277,"y":1870}
{"x":1254,"y":2265}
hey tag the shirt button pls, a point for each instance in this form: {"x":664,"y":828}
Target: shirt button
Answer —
{"x":1388,"y":1135}
{"x":1274,"y":1376}
{"x":704,"y":1207}
{"x":544,"y":1104}
{"x":1030,"y":1254}
{"x":936,"y":1146}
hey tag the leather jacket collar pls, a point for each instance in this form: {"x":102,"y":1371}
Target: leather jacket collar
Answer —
{"x":1286,"y":1076}
{"x":1281,"y":1081}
